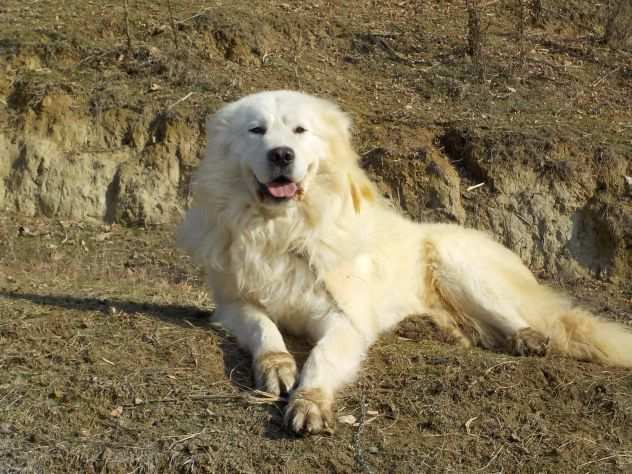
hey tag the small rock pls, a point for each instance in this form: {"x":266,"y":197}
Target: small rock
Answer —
{"x":347,"y":419}
{"x":116,"y":412}
{"x":138,"y":401}
{"x":102,"y":236}
{"x":6,"y":428}
{"x":25,"y":232}
{"x":374,"y":450}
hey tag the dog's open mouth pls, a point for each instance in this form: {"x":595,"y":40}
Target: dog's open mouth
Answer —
{"x":280,"y":189}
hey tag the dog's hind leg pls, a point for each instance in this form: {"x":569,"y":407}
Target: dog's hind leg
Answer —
{"x":485,"y":289}
{"x":485,"y":285}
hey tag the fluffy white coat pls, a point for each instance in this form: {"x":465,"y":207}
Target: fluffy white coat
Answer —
{"x":337,"y":264}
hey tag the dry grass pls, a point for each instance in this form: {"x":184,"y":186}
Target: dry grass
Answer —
{"x":618,"y":31}
{"x":109,"y":364}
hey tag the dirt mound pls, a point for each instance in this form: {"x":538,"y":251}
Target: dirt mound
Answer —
{"x":114,"y":165}
{"x":564,"y":211}
{"x":121,"y":150}
{"x":423,"y":183}
{"x":247,"y":38}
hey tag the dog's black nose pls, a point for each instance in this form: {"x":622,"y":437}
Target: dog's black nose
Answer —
{"x":281,"y":156}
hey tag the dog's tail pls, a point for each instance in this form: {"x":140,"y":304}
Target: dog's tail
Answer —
{"x":576,"y":332}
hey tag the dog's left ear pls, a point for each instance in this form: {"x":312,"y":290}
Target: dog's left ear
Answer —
{"x":361,"y":188}
{"x":337,"y":122}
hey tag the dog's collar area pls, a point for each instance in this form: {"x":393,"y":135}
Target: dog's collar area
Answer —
{"x":280,"y":189}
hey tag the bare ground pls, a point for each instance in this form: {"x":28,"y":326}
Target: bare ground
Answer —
{"x":109,"y":364}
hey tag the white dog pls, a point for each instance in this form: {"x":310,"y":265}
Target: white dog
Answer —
{"x":293,"y":235}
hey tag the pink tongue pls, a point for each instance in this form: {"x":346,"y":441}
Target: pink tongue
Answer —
{"x":282,"y":190}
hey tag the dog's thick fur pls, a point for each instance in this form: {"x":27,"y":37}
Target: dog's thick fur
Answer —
{"x":336,"y":263}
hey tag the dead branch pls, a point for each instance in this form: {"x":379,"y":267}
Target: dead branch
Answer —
{"x":127,"y":28}
{"x":174,"y":30}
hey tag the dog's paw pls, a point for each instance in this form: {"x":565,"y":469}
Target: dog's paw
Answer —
{"x":529,"y":342}
{"x":275,"y":372}
{"x":310,"y":411}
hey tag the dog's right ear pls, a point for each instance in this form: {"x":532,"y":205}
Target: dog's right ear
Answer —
{"x":217,"y":140}
{"x":217,"y":123}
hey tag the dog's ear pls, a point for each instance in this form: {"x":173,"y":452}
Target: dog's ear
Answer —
{"x":361,"y":188}
{"x":342,"y":123}
{"x":357,"y":184}
{"x":217,"y":123}
{"x":336,"y":121}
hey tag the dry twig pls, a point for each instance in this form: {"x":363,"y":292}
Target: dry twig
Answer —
{"x":174,"y":30}
{"x":357,"y":447}
{"x":127,"y":29}
{"x":475,"y":38}
{"x":180,"y":100}
{"x":522,"y":20}
{"x":186,"y":438}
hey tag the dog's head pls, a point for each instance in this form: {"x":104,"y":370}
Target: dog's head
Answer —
{"x":278,"y":142}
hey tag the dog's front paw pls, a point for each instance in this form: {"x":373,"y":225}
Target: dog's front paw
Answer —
{"x":275,"y":372}
{"x":310,"y":411}
{"x":529,"y":342}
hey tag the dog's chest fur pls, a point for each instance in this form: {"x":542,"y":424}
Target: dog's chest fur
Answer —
{"x":271,"y":269}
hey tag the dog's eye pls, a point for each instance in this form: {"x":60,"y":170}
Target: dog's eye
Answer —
{"x":300,"y":129}
{"x":258,"y":130}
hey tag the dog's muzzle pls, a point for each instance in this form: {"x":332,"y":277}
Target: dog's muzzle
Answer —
{"x":281,"y":187}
